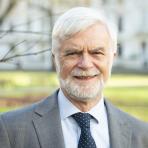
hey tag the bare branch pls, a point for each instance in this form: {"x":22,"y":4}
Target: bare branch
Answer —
{"x":32,"y":20}
{"x":5,"y":33}
{"x":22,"y":55}
{"x":12,"y":48}
{"x":47,"y":10}
{"x":25,"y":31}
{"x":8,"y":9}
{"x":31,"y":47}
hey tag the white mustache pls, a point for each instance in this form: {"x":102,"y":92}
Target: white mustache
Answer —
{"x":83,"y":73}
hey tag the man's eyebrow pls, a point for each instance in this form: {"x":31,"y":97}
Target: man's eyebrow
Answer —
{"x":71,"y":50}
{"x":101,"y":48}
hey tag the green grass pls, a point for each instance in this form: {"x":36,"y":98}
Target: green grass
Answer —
{"x":20,"y":84}
{"x":24,"y":79}
{"x":128,"y":92}
{"x":137,"y":111}
{"x":128,"y":89}
{"x":128,"y":95}
{"x":6,"y":109}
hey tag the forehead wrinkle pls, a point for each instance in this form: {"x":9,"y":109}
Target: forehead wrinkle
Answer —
{"x":69,"y":45}
{"x":94,"y":46}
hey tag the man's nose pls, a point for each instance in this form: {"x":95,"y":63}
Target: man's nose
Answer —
{"x":85,"y":61}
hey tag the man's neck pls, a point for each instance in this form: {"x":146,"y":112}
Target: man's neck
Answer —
{"x":85,"y":105}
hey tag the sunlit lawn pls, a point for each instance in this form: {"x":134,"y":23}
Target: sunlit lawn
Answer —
{"x":5,"y":109}
{"x":128,"y":92}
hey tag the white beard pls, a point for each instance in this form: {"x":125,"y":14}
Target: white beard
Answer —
{"x":79,"y":91}
{"x":82,"y":92}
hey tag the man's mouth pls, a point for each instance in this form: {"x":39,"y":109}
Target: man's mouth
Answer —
{"x":85,"y":77}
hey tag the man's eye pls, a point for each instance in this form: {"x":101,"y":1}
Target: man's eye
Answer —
{"x":97,"y":53}
{"x":71,"y":54}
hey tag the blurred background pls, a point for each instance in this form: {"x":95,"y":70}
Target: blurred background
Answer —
{"x":27,"y":73}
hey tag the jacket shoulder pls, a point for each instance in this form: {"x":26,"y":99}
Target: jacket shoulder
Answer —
{"x":124,"y":117}
{"x":23,"y":115}
{"x":124,"y":122}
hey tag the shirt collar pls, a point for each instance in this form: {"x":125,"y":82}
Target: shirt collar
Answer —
{"x":67,"y":108}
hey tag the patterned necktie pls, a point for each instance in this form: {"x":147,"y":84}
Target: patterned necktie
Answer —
{"x":86,"y":140}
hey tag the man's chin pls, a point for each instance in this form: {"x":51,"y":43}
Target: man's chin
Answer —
{"x":84,"y":93}
{"x":81,"y":91}
{"x":84,"y":98}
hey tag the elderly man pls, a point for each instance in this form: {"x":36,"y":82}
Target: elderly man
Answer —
{"x":84,"y":44}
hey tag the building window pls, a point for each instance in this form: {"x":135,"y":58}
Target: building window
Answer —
{"x":104,"y":1}
{"x":120,"y":50}
{"x":144,"y":54}
{"x":120,"y":23}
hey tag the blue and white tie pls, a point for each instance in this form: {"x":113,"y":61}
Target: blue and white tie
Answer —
{"x":86,"y":140}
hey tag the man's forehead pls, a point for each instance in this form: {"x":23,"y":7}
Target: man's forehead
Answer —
{"x":78,"y":47}
{"x":69,"y":45}
{"x":72,"y":45}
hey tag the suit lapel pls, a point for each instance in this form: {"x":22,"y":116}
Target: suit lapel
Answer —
{"x":46,"y":121}
{"x":119,"y":129}
{"x":48,"y":125}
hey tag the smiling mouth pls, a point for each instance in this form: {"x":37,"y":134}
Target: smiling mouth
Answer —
{"x":85,"y":77}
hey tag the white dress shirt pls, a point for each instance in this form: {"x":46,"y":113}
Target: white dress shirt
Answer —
{"x":71,"y":130}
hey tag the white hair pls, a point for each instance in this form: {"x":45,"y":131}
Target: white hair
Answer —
{"x":78,"y":19}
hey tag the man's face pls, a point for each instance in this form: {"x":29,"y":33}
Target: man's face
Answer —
{"x":84,"y":63}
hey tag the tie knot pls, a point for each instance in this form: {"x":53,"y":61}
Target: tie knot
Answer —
{"x":83,"y":119}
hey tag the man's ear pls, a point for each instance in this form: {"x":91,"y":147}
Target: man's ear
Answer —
{"x":53,"y":56}
{"x":53,"y":61}
{"x":115,"y":54}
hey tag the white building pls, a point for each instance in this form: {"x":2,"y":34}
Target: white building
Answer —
{"x":132,"y":20}
{"x":36,"y":16}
